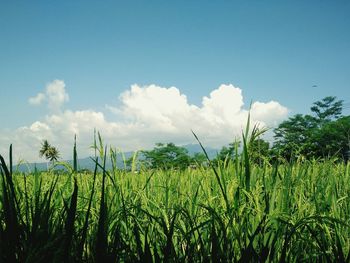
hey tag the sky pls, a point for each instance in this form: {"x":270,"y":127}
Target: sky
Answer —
{"x":142,"y":72}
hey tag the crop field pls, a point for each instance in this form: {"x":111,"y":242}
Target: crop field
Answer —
{"x":233,"y":211}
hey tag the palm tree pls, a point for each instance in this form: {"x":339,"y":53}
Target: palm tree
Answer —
{"x":53,"y":154}
{"x":49,"y":152}
{"x":45,"y":147}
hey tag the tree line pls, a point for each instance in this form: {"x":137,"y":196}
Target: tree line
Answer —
{"x":323,"y":134}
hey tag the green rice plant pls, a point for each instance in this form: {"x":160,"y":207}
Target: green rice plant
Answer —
{"x":101,"y":236}
{"x":231,"y":211}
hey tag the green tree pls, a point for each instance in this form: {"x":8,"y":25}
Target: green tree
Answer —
{"x":327,"y":109}
{"x":259,"y":151}
{"x":166,"y":156}
{"x":53,"y":154}
{"x":333,"y":139}
{"x":45,"y":146}
{"x":199,"y":159}
{"x":303,"y":134}
{"x":294,"y":136}
{"x":48,"y":151}
{"x":227,"y":153}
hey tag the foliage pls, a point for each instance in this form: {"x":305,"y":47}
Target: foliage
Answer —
{"x":167,"y":156}
{"x":199,"y":159}
{"x":49,"y":152}
{"x":294,"y":136}
{"x":259,"y":151}
{"x":317,"y":136}
{"x":227,"y":152}
{"x":246,"y":210}
{"x":294,"y":212}
{"x":333,"y":139}
{"x":327,"y":109}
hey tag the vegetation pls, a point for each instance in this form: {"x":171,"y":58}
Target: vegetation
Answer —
{"x":239,"y":212}
{"x":324,"y":134}
{"x":170,"y":156}
{"x":49,"y":152}
{"x":237,"y":208}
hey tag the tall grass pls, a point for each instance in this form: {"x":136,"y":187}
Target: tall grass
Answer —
{"x":232,"y":211}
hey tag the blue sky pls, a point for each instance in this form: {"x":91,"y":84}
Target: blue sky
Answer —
{"x":271,"y":50}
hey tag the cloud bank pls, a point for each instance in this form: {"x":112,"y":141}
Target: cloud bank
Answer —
{"x":142,"y":116}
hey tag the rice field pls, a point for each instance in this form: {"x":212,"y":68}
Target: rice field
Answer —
{"x":233,"y":211}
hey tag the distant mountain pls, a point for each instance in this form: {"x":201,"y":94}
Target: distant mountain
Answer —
{"x":83,"y":163}
{"x":196,"y":148}
{"x":89,"y":164}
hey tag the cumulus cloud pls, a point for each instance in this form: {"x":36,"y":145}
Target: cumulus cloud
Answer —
{"x":55,"y":95}
{"x":218,"y":119}
{"x":143,"y":115}
{"x":38,"y":99}
{"x":271,"y":113}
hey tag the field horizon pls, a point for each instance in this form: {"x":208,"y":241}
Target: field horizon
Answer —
{"x":234,"y":211}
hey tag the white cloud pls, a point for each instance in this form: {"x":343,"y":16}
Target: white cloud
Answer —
{"x":271,"y":113}
{"x":143,"y":115}
{"x":55,"y":95}
{"x":37,"y":100}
